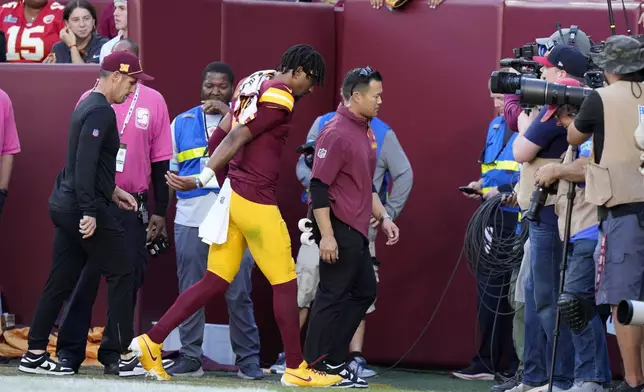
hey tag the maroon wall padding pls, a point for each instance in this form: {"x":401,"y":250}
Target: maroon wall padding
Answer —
{"x":176,"y":53}
{"x":281,"y":24}
{"x":26,"y":233}
{"x":526,"y":20}
{"x":436,"y":100}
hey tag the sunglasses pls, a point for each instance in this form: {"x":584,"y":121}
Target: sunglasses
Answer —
{"x":365,"y":74}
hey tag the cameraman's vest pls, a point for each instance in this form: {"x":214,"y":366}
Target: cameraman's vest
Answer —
{"x":380,"y":129}
{"x":527,"y":181}
{"x":584,"y":214}
{"x":192,"y":145}
{"x":498,"y":166}
{"x":615,"y":179}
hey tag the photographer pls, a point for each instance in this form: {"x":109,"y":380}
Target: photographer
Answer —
{"x":541,"y":142}
{"x":614,"y":184}
{"x":592,"y":368}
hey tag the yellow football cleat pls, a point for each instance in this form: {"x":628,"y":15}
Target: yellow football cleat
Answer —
{"x":304,"y":376}
{"x":149,"y":354}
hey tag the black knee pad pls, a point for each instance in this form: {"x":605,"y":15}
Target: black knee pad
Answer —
{"x":575,"y":311}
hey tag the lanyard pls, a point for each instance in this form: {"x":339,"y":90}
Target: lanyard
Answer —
{"x":129,"y":112}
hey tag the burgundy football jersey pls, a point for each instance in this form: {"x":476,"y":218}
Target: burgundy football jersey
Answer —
{"x":30,"y":42}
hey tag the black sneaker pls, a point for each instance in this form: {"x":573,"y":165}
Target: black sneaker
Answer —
{"x":111,"y":369}
{"x":68,"y":363}
{"x":183,"y":366}
{"x":349,"y":378}
{"x":41,"y":364}
{"x":510,"y":383}
{"x":624,"y":387}
{"x":473,"y":373}
{"x":130,"y":367}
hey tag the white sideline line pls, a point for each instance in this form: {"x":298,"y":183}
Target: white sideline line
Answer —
{"x":56,"y":384}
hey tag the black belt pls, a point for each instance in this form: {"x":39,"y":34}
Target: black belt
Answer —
{"x":141,"y":197}
{"x":620,"y":210}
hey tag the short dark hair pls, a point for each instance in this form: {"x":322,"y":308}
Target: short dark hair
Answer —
{"x":104,"y":74}
{"x":306,"y":57}
{"x":218,"y":67}
{"x":72,"y":5}
{"x":131,"y":43}
{"x":358,"y":79}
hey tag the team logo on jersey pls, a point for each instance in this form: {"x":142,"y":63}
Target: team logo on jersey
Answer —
{"x":142,"y":118}
{"x":10,"y":19}
{"x":321,"y":153}
{"x":95,"y":133}
{"x":48,"y":19}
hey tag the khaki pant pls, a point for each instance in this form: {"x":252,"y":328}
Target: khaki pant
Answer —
{"x":307,"y":269}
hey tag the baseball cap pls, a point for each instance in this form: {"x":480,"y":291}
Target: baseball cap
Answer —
{"x":125,"y":63}
{"x":566,"y":58}
{"x":621,"y":55}
{"x":553,"y":108}
{"x":582,"y":42}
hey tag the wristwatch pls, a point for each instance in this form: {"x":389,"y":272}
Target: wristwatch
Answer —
{"x":385,"y":216}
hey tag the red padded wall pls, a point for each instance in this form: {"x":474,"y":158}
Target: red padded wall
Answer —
{"x":436,"y":100}
{"x":26,"y":233}
{"x":311,"y":24}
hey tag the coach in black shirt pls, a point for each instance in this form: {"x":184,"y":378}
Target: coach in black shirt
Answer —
{"x":85,"y":229}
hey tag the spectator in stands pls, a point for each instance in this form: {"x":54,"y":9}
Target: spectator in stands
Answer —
{"x":190,"y":134}
{"x":79,"y":43}
{"x":31,"y":27}
{"x":106,"y":27}
{"x":9,"y":145}
{"x":146,"y":148}
{"x":120,"y":22}
{"x":377,"y":4}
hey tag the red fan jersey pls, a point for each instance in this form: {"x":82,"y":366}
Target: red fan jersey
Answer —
{"x":30,"y":42}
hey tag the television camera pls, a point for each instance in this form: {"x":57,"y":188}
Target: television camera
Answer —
{"x":307,"y":149}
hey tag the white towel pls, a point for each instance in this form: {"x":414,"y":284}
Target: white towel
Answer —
{"x":214,"y":229}
{"x":524,"y":272}
{"x":246,"y":103}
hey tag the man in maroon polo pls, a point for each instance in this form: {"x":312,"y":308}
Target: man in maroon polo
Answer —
{"x":343,"y":200}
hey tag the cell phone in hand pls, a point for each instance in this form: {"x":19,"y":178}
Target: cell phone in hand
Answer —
{"x":469,"y":191}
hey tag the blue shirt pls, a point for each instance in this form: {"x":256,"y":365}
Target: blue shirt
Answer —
{"x":592,"y":232}
{"x":553,"y":142}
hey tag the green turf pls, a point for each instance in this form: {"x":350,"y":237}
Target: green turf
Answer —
{"x":392,"y":381}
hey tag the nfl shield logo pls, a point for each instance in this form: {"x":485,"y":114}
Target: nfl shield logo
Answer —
{"x":95,"y":133}
{"x":321,"y":153}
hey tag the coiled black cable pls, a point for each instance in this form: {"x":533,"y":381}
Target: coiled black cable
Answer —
{"x":491,"y":248}
{"x":494,"y":248}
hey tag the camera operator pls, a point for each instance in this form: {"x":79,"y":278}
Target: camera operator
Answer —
{"x":541,"y":142}
{"x":592,"y":368}
{"x":579,"y":39}
{"x":614,"y":184}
